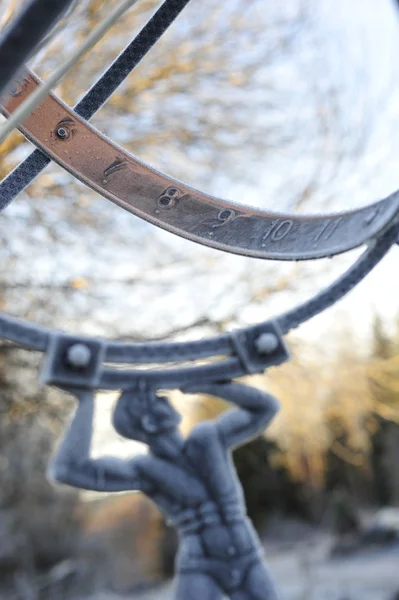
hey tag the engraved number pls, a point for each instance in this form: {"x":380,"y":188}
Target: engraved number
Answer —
{"x":118,"y":164}
{"x":278,"y":229}
{"x":327,"y":231}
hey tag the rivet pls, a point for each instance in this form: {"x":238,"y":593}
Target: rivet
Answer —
{"x":166,"y":201}
{"x":62,"y":133}
{"x":226,"y":214}
{"x":79,"y":355}
{"x":266,"y":343}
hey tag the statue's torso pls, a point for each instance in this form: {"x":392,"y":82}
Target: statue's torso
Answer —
{"x":200,"y":494}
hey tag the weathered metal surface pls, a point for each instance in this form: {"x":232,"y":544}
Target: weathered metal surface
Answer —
{"x":114,"y":173}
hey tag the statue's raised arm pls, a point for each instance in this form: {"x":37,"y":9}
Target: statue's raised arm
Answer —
{"x":255,"y":409}
{"x":72,"y":463}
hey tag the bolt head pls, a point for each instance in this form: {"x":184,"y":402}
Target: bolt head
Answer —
{"x":166,"y":201}
{"x":225,"y":214}
{"x":266,"y":343}
{"x":79,"y":356}
{"x":62,"y":133}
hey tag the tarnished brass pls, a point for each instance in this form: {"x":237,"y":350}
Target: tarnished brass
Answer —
{"x":114,"y":173}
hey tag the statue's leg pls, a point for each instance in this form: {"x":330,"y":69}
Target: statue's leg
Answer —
{"x":258,"y":585}
{"x":197,"y":586}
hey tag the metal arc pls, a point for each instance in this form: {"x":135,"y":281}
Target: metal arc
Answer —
{"x":228,"y":364}
{"x":165,"y":202}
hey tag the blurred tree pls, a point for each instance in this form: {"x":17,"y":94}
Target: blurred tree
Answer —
{"x":235,"y":100}
{"x":39,"y":525}
{"x":383,"y":380}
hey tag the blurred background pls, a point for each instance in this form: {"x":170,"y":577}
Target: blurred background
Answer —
{"x":288,"y":105}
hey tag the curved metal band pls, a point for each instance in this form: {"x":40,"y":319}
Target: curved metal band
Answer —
{"x":112,"y":172}
{"x":238,"y":347}
{"x":98,"y":94}
{"x":231,"y":348}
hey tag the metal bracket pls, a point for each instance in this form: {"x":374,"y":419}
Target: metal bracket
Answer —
{"x":72,"y":362}
{"x":260,"y":347}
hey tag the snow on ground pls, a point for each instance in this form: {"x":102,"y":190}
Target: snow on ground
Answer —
{"x":305,"y":572}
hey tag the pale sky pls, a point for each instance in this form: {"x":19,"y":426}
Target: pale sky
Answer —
{"x":368,"y":32}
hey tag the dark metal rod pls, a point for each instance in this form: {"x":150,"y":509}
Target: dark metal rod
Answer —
{"x":35,"y":337}
{"x":24,"y":34}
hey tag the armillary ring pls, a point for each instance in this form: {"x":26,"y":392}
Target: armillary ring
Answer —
{"x":58,"y":131}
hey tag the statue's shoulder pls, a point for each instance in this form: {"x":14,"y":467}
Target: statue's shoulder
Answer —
{"x":141,"y":461}
{"x":203,"y":434}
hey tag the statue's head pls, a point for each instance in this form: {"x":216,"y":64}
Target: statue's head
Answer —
{"x":142,"y":415}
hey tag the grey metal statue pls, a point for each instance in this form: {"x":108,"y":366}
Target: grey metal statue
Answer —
{"x":192,"y":481}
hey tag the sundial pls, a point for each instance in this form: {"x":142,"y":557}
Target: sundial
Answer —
{"x":192,"y":480}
